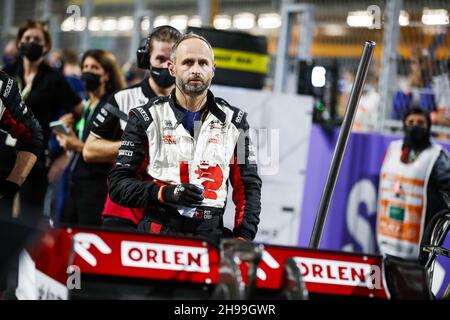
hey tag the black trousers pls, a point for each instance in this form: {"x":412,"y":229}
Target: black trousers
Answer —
{"x":85,"y":202}
{"x":116,"y":223}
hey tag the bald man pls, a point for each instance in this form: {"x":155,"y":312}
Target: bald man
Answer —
{"x":190,"y":144}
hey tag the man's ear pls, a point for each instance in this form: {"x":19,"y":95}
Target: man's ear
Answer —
{"x":171,"y":67}
{"x":214,"y":69}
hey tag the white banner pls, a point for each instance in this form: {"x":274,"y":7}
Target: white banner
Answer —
{"x":282,"y":124}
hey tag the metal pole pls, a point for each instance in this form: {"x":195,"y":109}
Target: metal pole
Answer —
{"x":7,"y":21}
{"x":136,"y":33}
{"x":341,"y":144}
{"x":284,"y":37}
{"x":88,"y":8}
{"x":288,"y":11}
{"x":386,"y":84}
{"x":46,"y":10}
{"x":204,"y":11}
{"x":306,"y":33}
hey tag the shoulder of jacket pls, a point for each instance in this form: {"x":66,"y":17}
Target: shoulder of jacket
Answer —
{"x":238,"y":116}
{"x":143,"y":114}
{"x":144,"y":111}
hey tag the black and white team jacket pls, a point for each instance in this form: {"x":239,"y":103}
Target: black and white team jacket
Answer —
{"x":220,"y":151}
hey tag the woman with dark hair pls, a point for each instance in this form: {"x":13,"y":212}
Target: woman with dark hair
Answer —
{"x":87,"y":189}
{"x":47,"y":93}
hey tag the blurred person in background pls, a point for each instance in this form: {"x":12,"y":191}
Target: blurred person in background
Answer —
{"x":416,"y":89}
{"x":101,"y":76}
{"x":367,"y":114}
{"x":133,"y":74}
{"x":47,"y":93}
{"x":65,"y":61}
{"x":102,"y":145}
{"x":441,"y":88}
{"x":9,"y":57}
{"x":414,"y":181}
{"x":69,"y":65}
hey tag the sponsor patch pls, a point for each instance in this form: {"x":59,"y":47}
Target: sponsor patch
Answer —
{"x":143,"y":114}
{"x":239,"y":116}
{"x":169,"y":139}
{"x":8,"y":88}
{"x":128,"y":143}
{"x":164,"y":256}
{"x":126,"y":153}
{"x":339,"y":272}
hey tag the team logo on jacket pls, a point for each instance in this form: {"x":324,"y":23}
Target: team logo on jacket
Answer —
{"x":211,"y":177}
{"x":167,"y":125}
{"x":216,"y":125}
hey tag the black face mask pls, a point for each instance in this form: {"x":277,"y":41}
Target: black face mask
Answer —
{"x":416,"y":137}
{"x":31,"y":50}
{"x":91,"y":81}
{"x":162,"y":77}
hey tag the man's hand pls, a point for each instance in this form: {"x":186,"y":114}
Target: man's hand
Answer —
{"x":9,"y":90}
{"x":69,"y":142}
{"x":185,"y":194}
{"x":8,"y":189}
{"x":67,"y":119}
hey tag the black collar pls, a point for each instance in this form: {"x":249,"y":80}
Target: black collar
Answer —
{"x":210,"y":104}
{"x":146,"y":89}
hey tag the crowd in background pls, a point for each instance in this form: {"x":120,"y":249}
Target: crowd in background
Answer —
{"x":65,"y":84}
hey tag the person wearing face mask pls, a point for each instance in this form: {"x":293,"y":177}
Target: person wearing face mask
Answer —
{"x":101,"y":77}
{"x":102,"y":144}
{"x":414,"y":181}
{"x":47,"y":93}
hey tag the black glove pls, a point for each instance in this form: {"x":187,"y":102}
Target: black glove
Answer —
{"x":8,"y":189}
{"x":185,"y":194}
{"x":9,"y":91}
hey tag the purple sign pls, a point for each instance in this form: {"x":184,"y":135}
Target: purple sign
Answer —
{"x":351,"y":219}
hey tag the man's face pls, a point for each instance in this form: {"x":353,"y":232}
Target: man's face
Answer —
{"x":417,"y":120}
{"x":160,"y":53}
{"x":194,"y":66}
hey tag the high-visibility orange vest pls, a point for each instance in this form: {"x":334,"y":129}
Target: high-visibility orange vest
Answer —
{"x":402,"y":201}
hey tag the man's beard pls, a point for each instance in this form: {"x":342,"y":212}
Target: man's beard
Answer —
{"x":193,"y":89}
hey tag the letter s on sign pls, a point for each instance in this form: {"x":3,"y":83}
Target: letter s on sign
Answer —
{"x":358,"y":227}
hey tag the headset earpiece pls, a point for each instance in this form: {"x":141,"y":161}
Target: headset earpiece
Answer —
{"x":143,"y":57}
